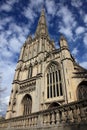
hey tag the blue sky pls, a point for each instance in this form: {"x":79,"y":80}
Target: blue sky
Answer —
{"x":18,"y":20}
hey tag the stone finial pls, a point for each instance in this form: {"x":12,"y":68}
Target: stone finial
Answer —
{"x":62,"y":37}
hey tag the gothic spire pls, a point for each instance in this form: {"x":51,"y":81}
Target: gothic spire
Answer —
{"x":42,"y":26}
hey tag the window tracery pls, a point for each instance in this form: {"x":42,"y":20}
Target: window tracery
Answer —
{"x":54,"y":83}
{"x":27,"y":102}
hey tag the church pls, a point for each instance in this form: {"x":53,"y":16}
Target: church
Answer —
{"x":45,"y":77}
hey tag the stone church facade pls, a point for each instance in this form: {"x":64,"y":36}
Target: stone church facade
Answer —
{"x":45,"y":77}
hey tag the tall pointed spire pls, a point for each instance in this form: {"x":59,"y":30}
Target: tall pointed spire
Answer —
{"x":42,"y":26}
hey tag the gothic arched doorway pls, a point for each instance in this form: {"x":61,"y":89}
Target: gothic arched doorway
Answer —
{"x":53,"y":105}
{"x":27,"y":103}
{"x":82,"y":91}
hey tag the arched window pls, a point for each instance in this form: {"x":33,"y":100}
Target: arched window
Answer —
{"x":82,"y":91}
{"x":54,"y":83}
{"x":27,"y":102}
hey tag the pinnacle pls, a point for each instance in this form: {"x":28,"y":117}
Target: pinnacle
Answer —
{"x":62,"y":37}
{"x":43,"y":12}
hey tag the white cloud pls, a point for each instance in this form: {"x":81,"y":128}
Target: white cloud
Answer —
{"x":80,"y":30}
{"x":7,"y":68}
{"x":85,"y":39}
{"x":23,"y":30}
{"x":15,"y":28}
{"x":51,"y":7}
{"x":12,"y":39}
{"x":7,"y":6}
{"x":14,"y":44}
{"x":76,"y":3}
{"x":67,"y":23}
{"x":38,"y":4}
{"x":84,"y":64}
{"x":75,"y":51}
{"x":5,"y":21}
{"x":11,"y":2}
{"x":5,"y":100}
{"x":29,"y":13}
{"x":3,"y":105}
{"x":6,"y":53}
{"x":67,"y":17}
{"x":3,"y":41}
{"x":85,"y":19}
{"x":67,"y":31}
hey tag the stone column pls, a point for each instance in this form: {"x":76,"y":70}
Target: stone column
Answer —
{"x":44,"y":119}
{"x":69,"y":115}
{"x":63,"y":116}
{"x":83,"y":115}
{"x":48,"y":118}
{"x":57,"y":117}
{"x":35,"y":121}
{"x":75,"y":114}
{"x":53,"y":118}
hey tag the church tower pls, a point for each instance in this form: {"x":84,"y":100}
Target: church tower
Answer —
{"x":45,"y":77}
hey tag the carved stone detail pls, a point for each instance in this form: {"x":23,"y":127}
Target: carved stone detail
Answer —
{"x":27,"y":87}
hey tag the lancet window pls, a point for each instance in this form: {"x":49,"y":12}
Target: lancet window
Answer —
{"x":54,"y":83}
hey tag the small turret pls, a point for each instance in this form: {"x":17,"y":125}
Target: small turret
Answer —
{"x":63,"y":42}
{"x":65,"y":52}
{"x":29,"y":39}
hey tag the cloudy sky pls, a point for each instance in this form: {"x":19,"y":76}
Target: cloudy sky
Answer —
{"x":18,"y":20}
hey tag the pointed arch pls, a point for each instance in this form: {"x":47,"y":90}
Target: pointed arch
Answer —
{"x":53,"y":63}
{"x":54,"y":80}
{"x":53,"y":105}
{"x":82,"y":90}
{"x":27,"y":104}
